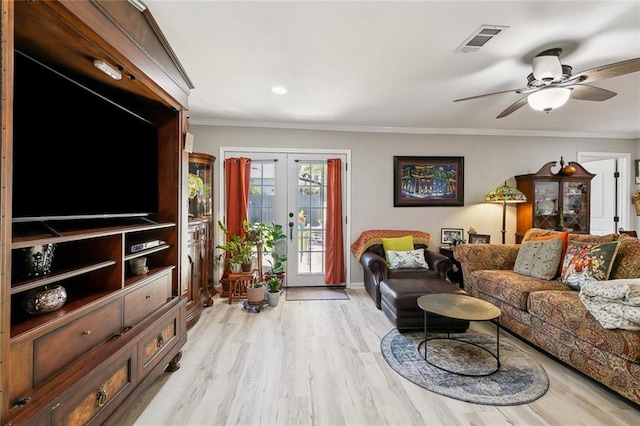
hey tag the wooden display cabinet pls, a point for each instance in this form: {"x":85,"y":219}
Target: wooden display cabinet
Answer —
{"x":555,"y":200}
{"x":89,"y":360}
{"x":202,"y":210}
{"x":198,"y":286}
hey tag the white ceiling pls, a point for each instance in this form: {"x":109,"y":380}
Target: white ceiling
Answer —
{"x":391,"y":66}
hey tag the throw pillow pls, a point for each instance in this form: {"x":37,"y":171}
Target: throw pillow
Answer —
{"x":397,"y":244}
{"x":564,"y":236}
{"x":411,"y":259}
{"x":539,"y":259}
{"x":587,"y":262}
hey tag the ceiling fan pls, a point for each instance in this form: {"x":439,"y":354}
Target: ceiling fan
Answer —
{"x":551,"y":83}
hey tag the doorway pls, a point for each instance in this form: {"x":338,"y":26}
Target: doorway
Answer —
{"x":609,"y":206}
{"x":289,"y":188}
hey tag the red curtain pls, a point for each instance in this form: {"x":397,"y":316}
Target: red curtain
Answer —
{"x":334,"y":260}
{"x":237,"y":172}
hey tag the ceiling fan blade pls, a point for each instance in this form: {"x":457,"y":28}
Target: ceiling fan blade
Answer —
{"x":609,"y":71}
{"x":590,"y":93}
{"x":513,"y":107}
{"x":489,"y":94}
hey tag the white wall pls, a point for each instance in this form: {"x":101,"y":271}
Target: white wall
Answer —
{"x":488,"y":162}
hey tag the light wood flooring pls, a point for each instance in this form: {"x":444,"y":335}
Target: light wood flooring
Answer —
{"x":319,"y":363}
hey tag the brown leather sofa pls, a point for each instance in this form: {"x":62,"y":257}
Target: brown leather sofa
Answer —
{"x":376,"y":269}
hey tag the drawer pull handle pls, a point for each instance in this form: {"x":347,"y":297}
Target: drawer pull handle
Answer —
{"x":149,"y":297}
{"x":160,"y":341}
{"x":101,"y":396}
{"x":87,"y":332}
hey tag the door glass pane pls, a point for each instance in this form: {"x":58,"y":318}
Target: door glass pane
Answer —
{"x":311,"y":200}
{"x":262,"y":192}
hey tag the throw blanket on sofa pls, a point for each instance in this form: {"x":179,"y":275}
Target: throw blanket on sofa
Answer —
{"x":375,"y":236}
{"x":614,"y":303}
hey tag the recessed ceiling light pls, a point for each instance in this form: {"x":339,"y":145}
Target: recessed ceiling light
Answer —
{"x":279,"y":90}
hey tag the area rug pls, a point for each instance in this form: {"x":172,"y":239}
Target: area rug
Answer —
{"x":520,"y":380}
{"x":315,"y":293}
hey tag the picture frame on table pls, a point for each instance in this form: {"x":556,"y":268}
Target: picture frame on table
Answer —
{"x":428,"y":181}
{"x":451,"y":236}
{"x":479,"y":239}
{"x":637,"y":172}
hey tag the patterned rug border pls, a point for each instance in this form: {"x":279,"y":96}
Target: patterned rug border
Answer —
{"x":295,"y":294}
{"x":528,"y":382}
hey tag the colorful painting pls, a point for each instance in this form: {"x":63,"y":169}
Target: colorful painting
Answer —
{"x":428,"y":181}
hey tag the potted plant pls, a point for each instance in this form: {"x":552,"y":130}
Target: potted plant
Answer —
{"x":237,"y":251}
{"x":267,"y":238}
{"x":271,"y":236}
{"x":273,"y":292}
{"x":255,"y":292}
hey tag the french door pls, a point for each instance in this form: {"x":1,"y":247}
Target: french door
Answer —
{"x":290,"y":189}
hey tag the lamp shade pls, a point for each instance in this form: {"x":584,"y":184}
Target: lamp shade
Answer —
{"x":549,"y":99}
{"x":547,"y":67}
{"x":505,"y":195}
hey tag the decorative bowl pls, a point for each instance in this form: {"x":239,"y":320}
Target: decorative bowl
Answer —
{"x":44,"y":299}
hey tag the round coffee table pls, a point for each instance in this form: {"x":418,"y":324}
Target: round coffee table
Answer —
{"x":461,"y":307}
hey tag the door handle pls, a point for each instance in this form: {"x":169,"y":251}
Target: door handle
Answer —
{"x":291,"y":231}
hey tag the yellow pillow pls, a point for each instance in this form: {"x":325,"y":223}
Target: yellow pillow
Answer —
{"x":398,"y":244}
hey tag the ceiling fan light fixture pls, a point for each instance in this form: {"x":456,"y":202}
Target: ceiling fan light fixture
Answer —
{"x":549,"y":99}
{"x":547,"y":67}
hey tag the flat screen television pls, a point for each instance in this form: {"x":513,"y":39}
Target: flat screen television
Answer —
{"x":77,"y":154}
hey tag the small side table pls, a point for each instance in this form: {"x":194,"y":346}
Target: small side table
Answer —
{"x":238,"y":283}
{"x":455,"y":273}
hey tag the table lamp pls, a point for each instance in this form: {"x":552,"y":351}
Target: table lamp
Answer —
{"x":505,"y":195}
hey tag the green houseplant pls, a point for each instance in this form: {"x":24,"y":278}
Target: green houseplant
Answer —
{"x":271,"y":236}
{"x":268,"y":237}
{"x":273,"y":293}
{"x":236,"y":251}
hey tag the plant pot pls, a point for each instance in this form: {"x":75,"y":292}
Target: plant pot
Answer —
{"x":255,"y":294}
{"x":246,"y":266}
{"x":273,"y":298}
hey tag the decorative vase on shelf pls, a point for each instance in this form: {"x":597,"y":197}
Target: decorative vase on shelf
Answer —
{"x":44,"y":299}
{"x":33,"y":261}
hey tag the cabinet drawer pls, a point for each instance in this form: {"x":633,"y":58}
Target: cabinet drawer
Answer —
{"x":138,"y":304}
{"x":96,"y":394}
{"x":55,"y":350}
{"x":164,"y":335}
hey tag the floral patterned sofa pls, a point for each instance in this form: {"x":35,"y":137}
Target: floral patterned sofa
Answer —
{"x":551,"y":315}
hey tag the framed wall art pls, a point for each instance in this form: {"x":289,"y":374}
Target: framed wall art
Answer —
{"x":479,"y":239}
{"x":451,"y":235}
{"x":428,"y":181}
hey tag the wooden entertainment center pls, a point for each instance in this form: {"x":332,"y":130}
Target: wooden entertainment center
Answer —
{"x":119,"y":328}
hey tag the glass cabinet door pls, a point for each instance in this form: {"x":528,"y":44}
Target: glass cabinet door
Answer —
{"x":200,"y":186}
{"x":574,"y":205}
{"x":546,"y":205}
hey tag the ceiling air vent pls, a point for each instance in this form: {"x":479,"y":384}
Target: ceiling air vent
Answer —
{"x":480,"y":37}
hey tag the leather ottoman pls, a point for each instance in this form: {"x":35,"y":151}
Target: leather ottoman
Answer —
{"x":399,"y":303}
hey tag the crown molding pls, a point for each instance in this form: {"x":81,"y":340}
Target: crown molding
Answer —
{"x":410,"y":130}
